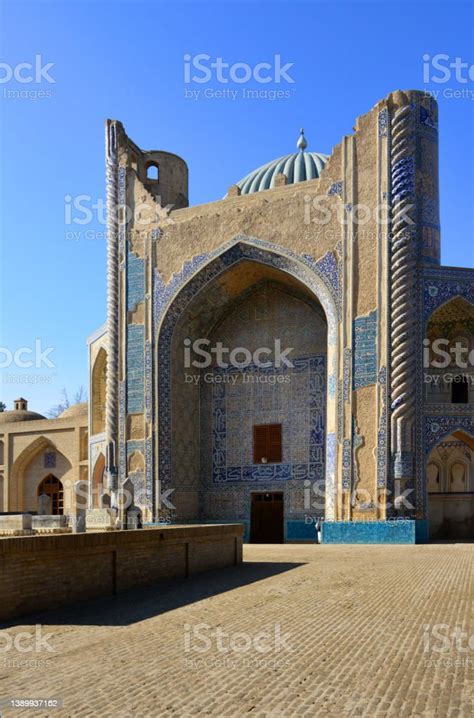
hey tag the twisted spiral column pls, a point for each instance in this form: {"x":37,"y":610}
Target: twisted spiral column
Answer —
{"x":111,"y":409}
{"x":403,"y":290}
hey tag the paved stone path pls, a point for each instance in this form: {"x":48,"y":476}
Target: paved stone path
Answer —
{"x":355,"y":639}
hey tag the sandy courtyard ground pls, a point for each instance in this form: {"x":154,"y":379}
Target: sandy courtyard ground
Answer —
{"x":297,"y":630}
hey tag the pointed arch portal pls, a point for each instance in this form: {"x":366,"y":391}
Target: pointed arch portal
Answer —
{"x":206,"y":292}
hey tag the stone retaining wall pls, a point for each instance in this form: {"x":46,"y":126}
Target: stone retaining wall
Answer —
{"x":43,"y":572}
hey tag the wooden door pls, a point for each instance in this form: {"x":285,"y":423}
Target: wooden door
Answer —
{"x":267,"y":517}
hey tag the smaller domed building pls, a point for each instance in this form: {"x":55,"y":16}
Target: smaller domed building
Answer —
{"x":40,"y":455}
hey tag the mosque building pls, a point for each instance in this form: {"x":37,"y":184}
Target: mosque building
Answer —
{"x":292,"y":352}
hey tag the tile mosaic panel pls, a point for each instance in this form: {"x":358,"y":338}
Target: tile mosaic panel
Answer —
{"x":135,"y":368}
{"x":298,"y":402}
{"x":365,"y":350}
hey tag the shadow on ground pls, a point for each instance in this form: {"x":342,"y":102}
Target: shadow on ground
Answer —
{"x":454,"y":541}
{"x":145,"y":602}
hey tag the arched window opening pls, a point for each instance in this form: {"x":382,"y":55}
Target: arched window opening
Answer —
{"x":153,"y":172}
{"x":52,"y":487}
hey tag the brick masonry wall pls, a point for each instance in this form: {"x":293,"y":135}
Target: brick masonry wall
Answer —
{"x":43,"y":572}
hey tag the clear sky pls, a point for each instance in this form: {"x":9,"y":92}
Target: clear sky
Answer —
{"x":125,"y":60}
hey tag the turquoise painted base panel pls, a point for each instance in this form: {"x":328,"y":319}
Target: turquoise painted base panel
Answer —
{"x":391,"y":532}
{"x":422,"y":531}
{"x":359,"y":532}
{"x":300,"y":531}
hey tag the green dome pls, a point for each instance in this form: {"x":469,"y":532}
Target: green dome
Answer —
{"x":298,"y":167}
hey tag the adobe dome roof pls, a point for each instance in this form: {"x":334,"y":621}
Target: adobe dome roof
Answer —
{"x":15,"y":415}
{"x":74,"y":410}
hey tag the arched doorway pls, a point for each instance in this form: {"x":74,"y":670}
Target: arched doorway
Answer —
{"x":52,"y":487}
{"x":450,"y":484}
{"x":246,"y":300}
{"x":29,"y":469}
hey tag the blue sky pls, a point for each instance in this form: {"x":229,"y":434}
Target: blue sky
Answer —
{"x":125,"y":60}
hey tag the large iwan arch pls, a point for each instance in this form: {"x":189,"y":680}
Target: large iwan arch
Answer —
{"x":218,"y":277}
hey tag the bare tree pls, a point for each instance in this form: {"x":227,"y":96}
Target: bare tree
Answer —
{"x":79,"y":397}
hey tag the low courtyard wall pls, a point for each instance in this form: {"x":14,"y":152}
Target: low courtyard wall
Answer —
{"x":43,"y":572}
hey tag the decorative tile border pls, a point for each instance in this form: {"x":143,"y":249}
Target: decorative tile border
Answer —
{"x":331,"y":451}
{"x":347,"y":374}
{"x":448,"y":409}
{"x":148,"y":381}
{"x":149,"y":471}
{"x":122,"y":451}
{"x":357,"y":442}
{"x":346,"y":464}
{"x":326,"y":268}
{"x":122,"y":201}
{"x":382,"y":434}
{"x":122,"y":385}
{"x":438,"y":291}
{"x":438,"y":427}
{"x":340,"y":411}
{"x":384,"y":122}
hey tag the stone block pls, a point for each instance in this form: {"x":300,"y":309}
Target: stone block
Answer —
{"x":15,"y":522}
{"x":101,"y":519}
{"x":50,"y":524}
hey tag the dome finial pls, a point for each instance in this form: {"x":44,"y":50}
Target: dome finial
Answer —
{"x":302,"y":144}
